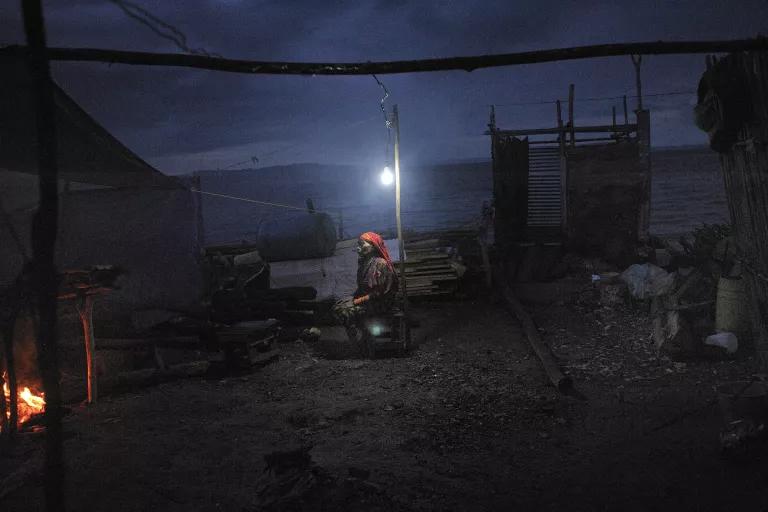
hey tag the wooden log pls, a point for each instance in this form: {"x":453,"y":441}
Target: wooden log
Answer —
{"x":540,"y":348}
{"x":487,"y":271}
{"x":469,"y":63}
{"x":85,"y":311}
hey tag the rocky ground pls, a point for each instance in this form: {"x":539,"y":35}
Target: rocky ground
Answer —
{"x":465,"y":422}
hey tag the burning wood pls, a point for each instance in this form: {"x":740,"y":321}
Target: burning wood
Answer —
{"x":29,"y":404}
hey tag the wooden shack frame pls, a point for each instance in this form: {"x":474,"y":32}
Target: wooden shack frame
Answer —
{"x":592,"y":193}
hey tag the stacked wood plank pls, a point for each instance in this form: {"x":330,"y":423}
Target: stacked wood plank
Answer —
{"x":245,"y":345}
{"x":430,"y":268}
{"x":294,"y":305}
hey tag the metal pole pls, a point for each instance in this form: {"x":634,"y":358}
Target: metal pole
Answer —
{"x":400,"y":241}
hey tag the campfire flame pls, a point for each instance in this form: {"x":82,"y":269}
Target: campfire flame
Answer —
{"x":29,"y":403}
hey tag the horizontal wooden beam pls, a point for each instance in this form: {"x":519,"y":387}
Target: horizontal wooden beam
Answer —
{"x":619,"y":128}
{"x":589,"y":139}
{"x":390,"y":67}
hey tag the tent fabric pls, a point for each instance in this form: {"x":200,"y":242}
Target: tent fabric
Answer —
{"x":87,"y":153}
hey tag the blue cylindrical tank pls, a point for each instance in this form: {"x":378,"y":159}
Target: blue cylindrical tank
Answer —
{"x":297,"y":236}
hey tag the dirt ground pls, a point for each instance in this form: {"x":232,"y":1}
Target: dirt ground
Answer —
{"x":465,"y":422}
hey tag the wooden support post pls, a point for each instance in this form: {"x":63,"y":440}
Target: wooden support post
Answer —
{"x":644,"y":146}
{"x":197,"y":184}
{"x":492,"y":120}
{"x":492,"y":130}
{"x":626,"y":116}
{"x":637,"y":60}
{"x":44,"y":231}
{"x":401,"y":241}
{"x":563,"y":171}
{"x":570,"y":114}
{"x":10,"y":421}
{"x":85,"y":311}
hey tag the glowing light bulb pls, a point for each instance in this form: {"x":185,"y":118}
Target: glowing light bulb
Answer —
{"x":387,"y":177}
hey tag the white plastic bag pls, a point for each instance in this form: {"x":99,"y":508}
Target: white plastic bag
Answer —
{"x":647,"y":280}
{"x":726,"y":340}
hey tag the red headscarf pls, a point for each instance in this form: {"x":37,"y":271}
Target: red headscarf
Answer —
{"x":378,"y":242}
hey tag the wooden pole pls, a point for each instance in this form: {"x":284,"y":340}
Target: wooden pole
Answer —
{"x":626,"y":116}
{"x":85,"y":311}
{"x":637,"y":60}
{"x":400,"y":240}
{"x":11,"y":425}
{"x":44,"y":231}
{"x":382,"y":68}
{"x":563,"y":170}
{"x":570,"y":114}
{"x":644,"y":149}
{"x":492,"y":132}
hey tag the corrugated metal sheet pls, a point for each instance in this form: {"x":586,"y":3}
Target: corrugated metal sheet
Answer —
{"x":544,"y":187}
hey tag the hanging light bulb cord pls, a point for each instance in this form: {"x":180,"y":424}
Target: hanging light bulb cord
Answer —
{"x":387,"y":121}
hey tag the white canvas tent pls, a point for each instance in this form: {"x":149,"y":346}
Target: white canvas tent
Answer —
{"x":114,"y":207}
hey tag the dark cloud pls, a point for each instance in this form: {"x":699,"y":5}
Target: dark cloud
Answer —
{"x":177,"y":118}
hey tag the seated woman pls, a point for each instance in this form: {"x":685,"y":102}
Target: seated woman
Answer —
{"x":376,"y":285}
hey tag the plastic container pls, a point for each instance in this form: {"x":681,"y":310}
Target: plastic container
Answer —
{"x":731,"y":309}
{"x":726,"y":340}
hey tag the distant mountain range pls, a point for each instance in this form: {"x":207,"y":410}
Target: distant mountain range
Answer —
{"x":334,"y":172}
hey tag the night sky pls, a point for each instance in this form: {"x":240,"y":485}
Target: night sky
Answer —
{"x":181,"y":120}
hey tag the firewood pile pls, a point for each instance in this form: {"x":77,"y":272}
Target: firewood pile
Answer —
{"x":244,"y":346}
{"x":432,"y":267}
{"x":239,"y":290}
